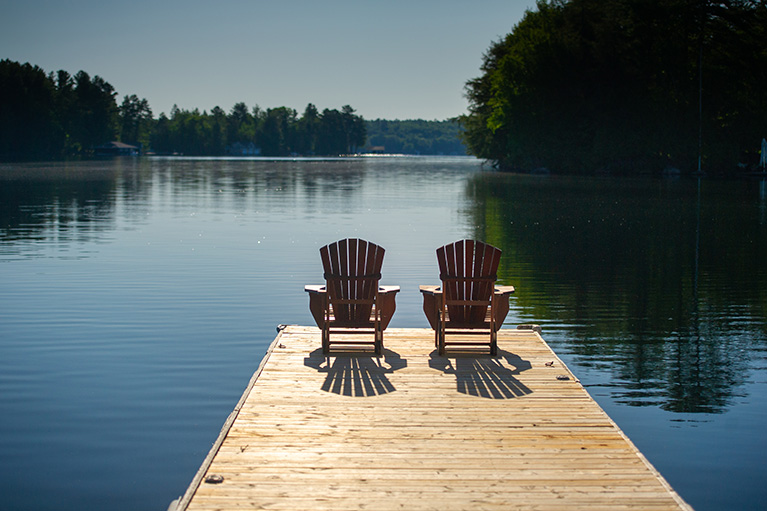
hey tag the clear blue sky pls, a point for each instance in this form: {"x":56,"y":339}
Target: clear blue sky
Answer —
{"x":389,"y":59}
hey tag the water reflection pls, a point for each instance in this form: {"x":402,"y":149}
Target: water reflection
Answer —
{"x":644,"y":273}
{"x":69,"y":203}
{"x":37,"y":208}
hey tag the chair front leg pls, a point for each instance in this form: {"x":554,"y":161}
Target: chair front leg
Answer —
{"x":493,"y":333}
{"x":442,"y":323}
{"x":326,"y":327}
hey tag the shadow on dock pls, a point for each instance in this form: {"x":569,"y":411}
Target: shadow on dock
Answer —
{"x":484,"y":376}
{"x":354,"y":374}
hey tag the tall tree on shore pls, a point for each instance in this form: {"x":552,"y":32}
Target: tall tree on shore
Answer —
{"x":135,"y":121}
{"x":94,"y":121}
{"x":354,"y":129}
{"x":241,"y":125}
{"x":331,"y":138}
{"x":216,"y":128}
{"x":277,"y":131}
{"x":308,"y":128}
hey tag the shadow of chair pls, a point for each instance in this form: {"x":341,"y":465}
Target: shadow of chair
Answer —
{"x":352,"y":301}
{"x":468,"y":302}
{"x":485,"y":376}
{"x":355,"y":375}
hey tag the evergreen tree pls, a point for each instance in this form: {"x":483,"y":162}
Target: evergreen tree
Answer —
{"x":94,"y":118}
{"x":135,"y":121}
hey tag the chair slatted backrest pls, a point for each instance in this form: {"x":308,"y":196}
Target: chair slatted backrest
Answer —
{"x":352,"y":272}
{"x":468,"y":271}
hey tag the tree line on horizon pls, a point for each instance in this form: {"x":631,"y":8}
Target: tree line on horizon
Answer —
{"x":271,"y":132}
{"x":58,"y":116}
{"x":624,"y":86}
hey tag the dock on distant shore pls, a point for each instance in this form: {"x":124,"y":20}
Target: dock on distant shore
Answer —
{"x":413,"y":430}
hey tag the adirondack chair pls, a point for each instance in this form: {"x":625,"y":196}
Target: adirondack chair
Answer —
{"x":468,"y":302}
{"x":352,"y":301}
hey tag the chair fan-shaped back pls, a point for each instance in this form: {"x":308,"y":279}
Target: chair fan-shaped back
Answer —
{"x":352,"y":272}
{"x":468,"y":271}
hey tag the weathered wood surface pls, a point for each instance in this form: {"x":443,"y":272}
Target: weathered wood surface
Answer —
{"x":416,"y":431}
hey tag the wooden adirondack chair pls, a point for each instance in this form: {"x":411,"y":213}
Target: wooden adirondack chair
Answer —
{"x":468,"y":302}
{"x":352,"y":301}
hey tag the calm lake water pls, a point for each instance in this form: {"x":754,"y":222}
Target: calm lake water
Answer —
{"x":137,"y":297}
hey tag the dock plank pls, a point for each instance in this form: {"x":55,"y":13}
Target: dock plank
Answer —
{"x":413,"y":430}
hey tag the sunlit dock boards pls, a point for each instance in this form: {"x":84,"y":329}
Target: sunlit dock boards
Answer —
{"x":413,"y":431}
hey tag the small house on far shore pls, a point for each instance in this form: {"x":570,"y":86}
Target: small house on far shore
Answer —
{"x":117,"y":149}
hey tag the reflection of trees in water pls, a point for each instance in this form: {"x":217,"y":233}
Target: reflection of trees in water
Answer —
{"x":78,"y":201}
{"x":686,"y":373}
{"x":645,"y":273}
{"x":60,"y":202}
{"x":255,"y":184}
{"x":703,"y":374}
{"x":55,"y":203}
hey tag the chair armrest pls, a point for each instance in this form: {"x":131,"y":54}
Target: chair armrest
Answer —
{"x":388,"y":289}
{"x":503,"y":290}
{"x":432,"y":300}
{"x":317,"y":302}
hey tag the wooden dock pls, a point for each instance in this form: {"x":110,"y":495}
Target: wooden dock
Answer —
{"x":415,"y":431}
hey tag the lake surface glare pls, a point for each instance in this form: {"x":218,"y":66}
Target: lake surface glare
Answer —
{"x":138,"y":296}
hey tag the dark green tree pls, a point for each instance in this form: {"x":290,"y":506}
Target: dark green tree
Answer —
{"x":340,"y":132}
{"x":589,"y":85}
{"x":241,"y":125}
{"x":355,"y":129}
{"x":135,"y":121}
{"x":308,"y":128}
{"x":94,"y":117}
{"x":216,"y":131}
{"x":331,"y":137}
{"x":161,"y":135}
{"x":29,"y":125}
{"x":277,"y":131}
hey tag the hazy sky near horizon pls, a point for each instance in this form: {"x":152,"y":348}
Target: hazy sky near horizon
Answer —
{"x":392,"y":60}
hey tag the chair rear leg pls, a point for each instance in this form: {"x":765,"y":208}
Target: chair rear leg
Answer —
{"x":325,"y":340}
{"x":441,"y":331}
{"x":379,"y":341}
{"x":441,"y":342}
